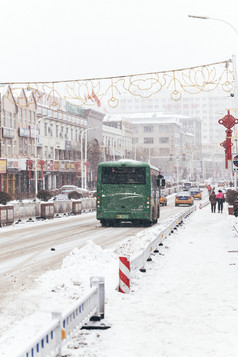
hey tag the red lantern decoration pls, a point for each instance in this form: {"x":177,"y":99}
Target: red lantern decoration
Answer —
{"x":29,"y":164}
{"x":77,"y":167}
{"x":42,"y":163}
{"x":87,"y":164}
{"x":228,"y":121}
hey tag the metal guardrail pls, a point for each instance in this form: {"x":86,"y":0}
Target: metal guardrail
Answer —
{"x":204,"y":204}
{"x":130,"y":265}
{"x":50,"y":341}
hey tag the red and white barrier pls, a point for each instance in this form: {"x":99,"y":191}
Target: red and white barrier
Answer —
{"x":124,"y":275}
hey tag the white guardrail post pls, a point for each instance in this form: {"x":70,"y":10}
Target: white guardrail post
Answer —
{"x":99,"y":282}
{"x":129,"y":265}
{"x":50,"y":341}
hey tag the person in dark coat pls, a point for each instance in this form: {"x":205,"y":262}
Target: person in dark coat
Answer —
{"x":220,"y":200}
{"x":212,"y":199}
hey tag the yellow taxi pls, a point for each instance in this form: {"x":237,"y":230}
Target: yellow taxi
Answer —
{"x":196,"y":193}
{"x":184,"y":198}
{"x":163,"y":200}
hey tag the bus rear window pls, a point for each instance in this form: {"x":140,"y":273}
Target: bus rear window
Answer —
{"x":123,"y":175}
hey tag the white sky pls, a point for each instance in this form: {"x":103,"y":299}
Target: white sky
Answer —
{"x":184,"y":305}
{"x":58,"y":40}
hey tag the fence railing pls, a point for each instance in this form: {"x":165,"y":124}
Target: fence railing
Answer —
{"x":49,"y":342}
{"x":128,"y":265}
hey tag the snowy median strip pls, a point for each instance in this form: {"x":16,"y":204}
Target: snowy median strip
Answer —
{"x":128,"y":265}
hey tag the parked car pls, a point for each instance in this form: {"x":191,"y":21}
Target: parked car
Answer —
{"x":163,"y":200}
{"x":66,"y":189}
{"x":196,"y":192}
{"x":184,"y":198}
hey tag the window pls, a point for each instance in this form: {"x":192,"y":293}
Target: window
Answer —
{"x":9,"y":120}
{"x":148,"y":140}
{"x":29,"y":117}
{"x":164,"y":151}
{"x":29,"y":148}
{"x":3,"y":118}
{"x":20,"y":146}
{"x":19,"y":113}
{"x":45,"y":152}
{"x":14,"y":148}
{"x":148,"y":129}
{"x":3,"y":147}
{"x":26,"y":147}
{"x":57,"y":131}
{"x":45,"y":129}
{"x":163,"y":140}
{"x":123,"y":175}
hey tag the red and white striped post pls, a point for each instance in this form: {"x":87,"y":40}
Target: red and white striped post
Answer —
{"x":124,"y":275}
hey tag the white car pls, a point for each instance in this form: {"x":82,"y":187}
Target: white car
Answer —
{"x":66,"y":189}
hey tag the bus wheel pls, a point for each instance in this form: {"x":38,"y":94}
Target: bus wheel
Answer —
{"x":103,"y":223}
{"x":148,"y":223}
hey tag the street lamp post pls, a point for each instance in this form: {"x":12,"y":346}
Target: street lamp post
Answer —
{"x":138,"y":142}
{"x":85,"y":131}
{"x":234,"y":70}
{"x":36,"y":173}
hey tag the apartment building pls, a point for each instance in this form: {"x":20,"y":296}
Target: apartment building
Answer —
{"x":161,"y":139}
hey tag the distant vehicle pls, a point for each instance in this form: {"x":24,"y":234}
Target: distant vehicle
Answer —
{"x":196,"y":193}
{"x":184,"y":198}
{"x":221,"y":184}
{"x":127,"y":190}
{"x":163,"y":200}
{"x":66,"y":189}
{"x":187,"y":185}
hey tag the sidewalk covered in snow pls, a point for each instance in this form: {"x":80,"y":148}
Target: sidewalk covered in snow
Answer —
{"x":186,"y":304}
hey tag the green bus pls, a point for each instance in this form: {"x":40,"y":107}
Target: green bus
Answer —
{"x":127,"y":190}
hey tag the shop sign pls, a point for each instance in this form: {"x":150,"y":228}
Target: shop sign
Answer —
{"x":50,"y":165}
{"x":3,"y":166}
{"x":72,"y":166}
{"x":62,"y":165}
{"x":25,"y":132}
{"x":12,"y":165}
{"x":67,"y":165}
{"x":56,"y":166}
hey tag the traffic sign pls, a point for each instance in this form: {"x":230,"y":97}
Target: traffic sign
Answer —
{"x":235,"y":160}
{"x":235,"y":163}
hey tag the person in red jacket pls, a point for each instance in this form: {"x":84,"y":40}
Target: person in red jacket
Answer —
{"x":220,"y":200}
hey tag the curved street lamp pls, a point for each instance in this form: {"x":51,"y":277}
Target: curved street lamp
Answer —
{"x":234,"y":70}
{"x":214,"y":18}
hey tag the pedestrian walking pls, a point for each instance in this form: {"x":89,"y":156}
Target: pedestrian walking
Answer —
{"x":220,"y":200}
{"x":212,"y":199}
{"x":209,"y":189}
